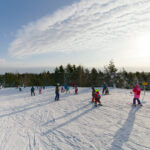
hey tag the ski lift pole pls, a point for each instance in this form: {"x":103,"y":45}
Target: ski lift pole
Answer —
{"x":144,"y":94}
{"x":144,"y":84}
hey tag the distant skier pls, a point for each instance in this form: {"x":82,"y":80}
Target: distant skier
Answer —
{"x":104,"y":88}
{"x":66,"y":88}
{"x":32,"y":91}
{"x":76,"y":89}
{"x":62,"y":89}
{"x":73,"y":84}
{"x":93,"y":94}
{"x":137,"y":92}
{"x":40,"y":90}
{"x":20,"y":89}
{"x":97,"y":97}
{"x":57,"y":93}
{"x":106,"y":91}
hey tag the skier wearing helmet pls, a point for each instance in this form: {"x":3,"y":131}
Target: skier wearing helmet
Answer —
{"x":97,"y":97}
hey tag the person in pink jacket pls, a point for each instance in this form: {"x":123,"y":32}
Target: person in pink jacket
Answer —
{"x":137,"y":91}
{"x":40,"y":90}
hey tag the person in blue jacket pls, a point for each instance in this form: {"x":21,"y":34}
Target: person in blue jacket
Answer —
{"x":66,"y":88}
{"x":104,"y":88}
{"x":57,"y":93}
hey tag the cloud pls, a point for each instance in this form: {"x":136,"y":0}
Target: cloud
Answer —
{"x":5,"y":63}
{"x":85,"y":25}
{"x":2,"y":61}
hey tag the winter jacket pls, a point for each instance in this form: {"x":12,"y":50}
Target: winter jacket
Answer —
{"x":97,"y":95}
{"x":104,"y":86}
{"x":57,"y":89}
{"x":137,"y":91}
{"x":32,"y":89}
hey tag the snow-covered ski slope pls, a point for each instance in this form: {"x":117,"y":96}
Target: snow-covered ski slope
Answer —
{"x":40,"y":123}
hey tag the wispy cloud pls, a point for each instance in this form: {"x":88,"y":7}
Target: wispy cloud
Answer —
{"x":5,"y":63}
{"x":2,"y":61}
{"x":85,"y":25}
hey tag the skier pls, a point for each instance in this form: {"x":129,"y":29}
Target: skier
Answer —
{"x":97,"y":97}
{"x":93,"y":94}
{"x":20,"y":89}
{"x":32,"y":91}
{"x":137,"y":92}
{"x":62,"y":89}
{"x":73,"y":85}
{"x":40,"y":90}
{"x":66,"y":88}
{"x":76,"y":90}
{"x":57,"y":93}
{"x":104,"y":88}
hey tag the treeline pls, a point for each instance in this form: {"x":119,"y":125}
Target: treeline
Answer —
{"x":79,"y":75}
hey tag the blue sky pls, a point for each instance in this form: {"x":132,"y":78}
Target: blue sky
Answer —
{"x":45,"y":33}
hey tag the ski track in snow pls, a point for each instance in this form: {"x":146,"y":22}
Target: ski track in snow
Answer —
{"x":73,"y":123}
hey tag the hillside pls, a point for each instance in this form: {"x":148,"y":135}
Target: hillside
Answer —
{"x":40,"y":123}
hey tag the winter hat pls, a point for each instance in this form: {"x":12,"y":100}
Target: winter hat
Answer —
{"x":136,"y":86}
{"x":96,"y":90}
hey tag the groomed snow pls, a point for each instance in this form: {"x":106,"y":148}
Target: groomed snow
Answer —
{"x":40,"y":123}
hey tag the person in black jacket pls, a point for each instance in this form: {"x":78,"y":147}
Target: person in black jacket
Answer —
{"x":32,"y":91}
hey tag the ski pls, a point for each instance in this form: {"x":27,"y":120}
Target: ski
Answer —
{"x":135,"y":105}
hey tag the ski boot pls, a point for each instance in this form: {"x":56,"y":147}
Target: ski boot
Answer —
{"x":100,"y":104}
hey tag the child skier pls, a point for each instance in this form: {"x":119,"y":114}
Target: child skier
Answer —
{"x":62,"y":89}
{"x":57,"y":93}
{"x":66,"y":88}
{"x":40,"y":90}
{"x":104,"y":88}
{"x":20,"y":89}
{"x":32,"y":91}
{"x":97,"y":97}
{"x":137,"y":92}
{"x":93,"y":94}
{"x":106,"y":91}
{"x":76,"y":90}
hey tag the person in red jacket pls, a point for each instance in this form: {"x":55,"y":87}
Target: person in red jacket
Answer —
{"x":76,"y":89}
{"x":97,"y":97}
{"x":137,"y":92}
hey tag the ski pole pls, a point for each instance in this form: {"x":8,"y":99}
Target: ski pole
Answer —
{"x":143,"y":95}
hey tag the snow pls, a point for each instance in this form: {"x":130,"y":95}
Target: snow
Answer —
{"x":40,"y":123}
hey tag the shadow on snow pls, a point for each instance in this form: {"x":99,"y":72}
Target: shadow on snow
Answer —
{"x":66,"y":115}
{"x":69,"y":121}
{"x":123,"y":134}
{"x":25,"y":108}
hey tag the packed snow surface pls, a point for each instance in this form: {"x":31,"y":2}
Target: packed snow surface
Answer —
{"x":73,"y":123}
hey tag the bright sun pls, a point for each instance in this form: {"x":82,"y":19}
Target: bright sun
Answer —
{"x":143,"y":45}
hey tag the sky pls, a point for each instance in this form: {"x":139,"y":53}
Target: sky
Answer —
{"x":42,"y":34}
